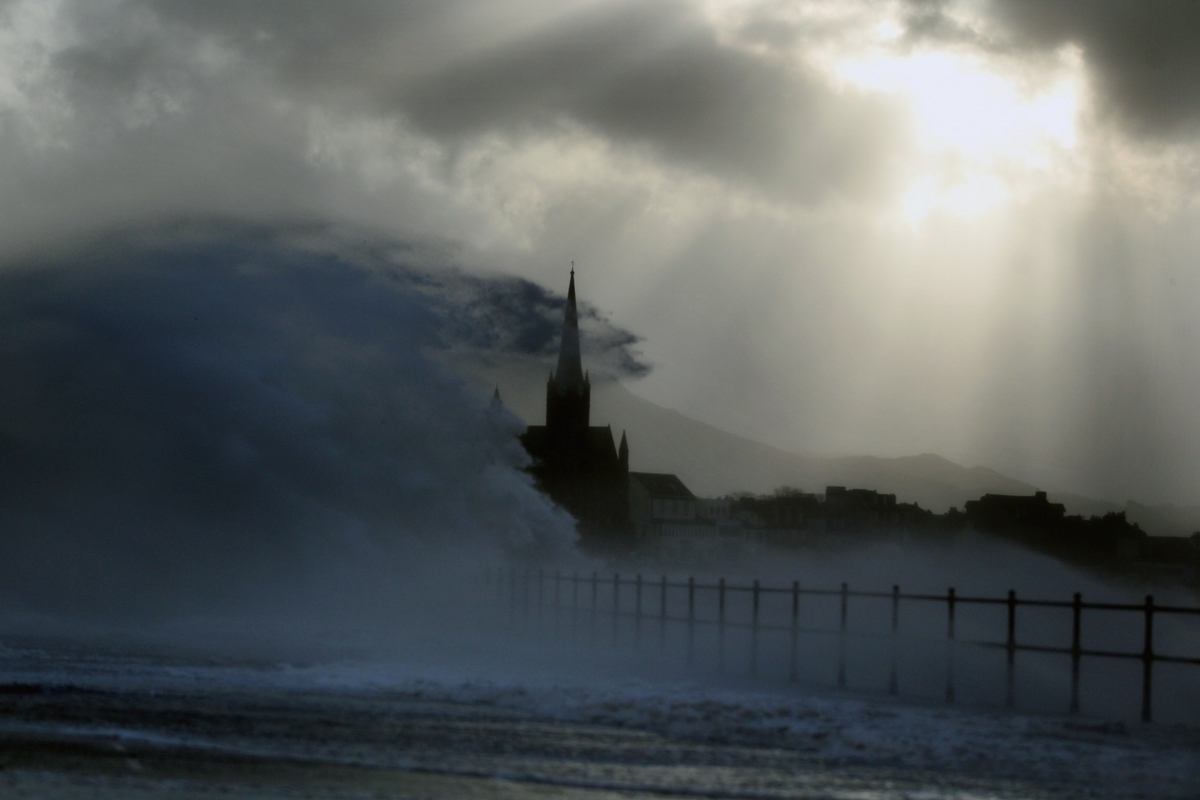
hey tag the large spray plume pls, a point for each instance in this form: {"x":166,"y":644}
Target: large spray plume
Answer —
{"x":203,"y":416}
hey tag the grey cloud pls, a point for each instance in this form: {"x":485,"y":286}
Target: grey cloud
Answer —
{"x":155,"y":110}
{"x":1144,"y":56}
{"x":645,"y":75}
{"x":112,"y":66}
{"x":928,"y":19}
{"x":314,"y":43}
{"x":652,"y":76}
{"x":124,"y":126}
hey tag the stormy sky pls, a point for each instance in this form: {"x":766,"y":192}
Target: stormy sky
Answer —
{"x":887,"y":228}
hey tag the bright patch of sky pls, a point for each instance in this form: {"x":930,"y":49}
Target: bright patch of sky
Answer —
{"x":981,"y":133}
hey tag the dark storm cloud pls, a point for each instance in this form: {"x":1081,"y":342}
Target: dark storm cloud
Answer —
{"x":516,"y":316}
{"x":644,"y":75}
{"x":1144,"y":56}
{"x":651,"y":75}
{"x":189,"y":414}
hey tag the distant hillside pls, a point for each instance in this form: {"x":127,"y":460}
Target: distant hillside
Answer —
{"x":713,"y":462}
{"x":1165,"y":520}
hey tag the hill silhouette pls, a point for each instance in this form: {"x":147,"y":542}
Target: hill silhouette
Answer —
{"x":713,"y":462}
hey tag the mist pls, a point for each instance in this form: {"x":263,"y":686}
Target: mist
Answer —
{"x":576,"y":629}
{"x":251,"y":441}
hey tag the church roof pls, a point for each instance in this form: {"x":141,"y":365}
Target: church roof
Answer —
{"x":660,"y":484}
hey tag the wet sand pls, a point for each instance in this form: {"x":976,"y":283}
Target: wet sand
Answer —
{"x":65,"y":768}
{"x":188,"y":736}
{"x":66,"y":743}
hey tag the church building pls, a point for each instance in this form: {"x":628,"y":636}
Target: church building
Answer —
{"x":576,"y":463}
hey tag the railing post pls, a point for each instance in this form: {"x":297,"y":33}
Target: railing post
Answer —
{"x":795,"y":629}
{"x":841,"y":677}
{"x":525,"y":593}
{"x":721,"y":624}
{"x":754,"y":630}
{"x":1148,"y":659}
{"x":595,"y":602}
{"x":541,"y":590}
{"x":691,"y":619}
{"x":512,"y":594}
{"x":557,"y":600}
{"x":616,"y":604}
{"x":950,"y":600}
{"x":1076,"y":649}
{"x":637,"y":612}
{"x":845,"y":604}
{"x":662,"y":613}
{"x":1010,"y":648}
{"x":893,"y":680}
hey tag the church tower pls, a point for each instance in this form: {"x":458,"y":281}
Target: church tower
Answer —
{"x":576,"y":463}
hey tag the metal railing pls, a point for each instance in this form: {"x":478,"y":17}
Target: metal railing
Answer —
{"x":526,"y":591}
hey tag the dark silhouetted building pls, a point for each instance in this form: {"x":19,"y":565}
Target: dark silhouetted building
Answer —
{"x":1038,"y":523}
{"x":1004,"y":510}
{"x":853,"y":509}
{"x":655,"y":498}
{"x":792,"y":517}
{"x":577,"y":464}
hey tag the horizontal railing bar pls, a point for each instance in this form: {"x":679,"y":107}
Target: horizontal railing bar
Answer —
{"x":1003,"y":601}
{"x":1066,"y":651}
{"x":1173,"y":609}
{"x":1176,"y":659}
{"x":651,"y":617}
{"x":942,"y":598}
{"x":1115,"y":606}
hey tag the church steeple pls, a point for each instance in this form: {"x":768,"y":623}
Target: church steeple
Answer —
{"x":574,"y":462}
{"x":569,"y":374}
{"x":569,"y":392}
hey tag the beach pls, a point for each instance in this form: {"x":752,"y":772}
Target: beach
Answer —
{"x":132,"y":726}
